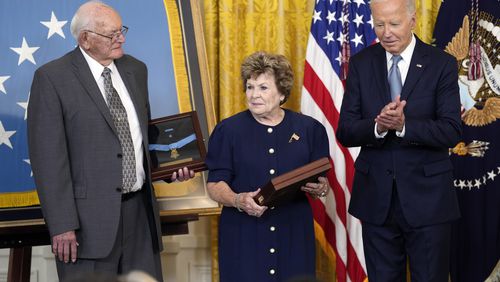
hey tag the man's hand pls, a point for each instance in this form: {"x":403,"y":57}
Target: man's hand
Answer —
{"x":391,"y":116}
{"x":64,"y":246}
{"x":182,"y":174}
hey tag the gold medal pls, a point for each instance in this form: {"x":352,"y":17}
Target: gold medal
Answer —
{"x":174,"y":154}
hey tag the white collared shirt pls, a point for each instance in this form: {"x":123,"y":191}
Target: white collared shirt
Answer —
{"x":135,"y":130}
{"x":404,"y":63}
{"x":404,"y":66}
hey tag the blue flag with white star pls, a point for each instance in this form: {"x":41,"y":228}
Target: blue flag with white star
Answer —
{"x":35,"y":32}
{"x":469,"y":30}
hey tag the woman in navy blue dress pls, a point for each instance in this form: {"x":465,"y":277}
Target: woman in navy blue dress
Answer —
{"x":245,"y":151}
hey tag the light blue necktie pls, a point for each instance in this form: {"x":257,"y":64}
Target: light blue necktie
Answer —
{"x":395,"y":78}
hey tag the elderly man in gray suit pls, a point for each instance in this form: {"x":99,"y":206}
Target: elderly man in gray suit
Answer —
{"x":87,"y":130}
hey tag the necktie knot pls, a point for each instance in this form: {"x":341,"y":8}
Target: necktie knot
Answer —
{"x":106,"y":71}
{"x":395,"y":59}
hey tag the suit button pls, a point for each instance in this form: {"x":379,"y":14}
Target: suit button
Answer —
{"x":119,"y":155}
{"x":389,"y":172}
{"x":119,"y":189}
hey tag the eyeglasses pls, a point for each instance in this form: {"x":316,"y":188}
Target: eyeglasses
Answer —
{"x":114,"y":36}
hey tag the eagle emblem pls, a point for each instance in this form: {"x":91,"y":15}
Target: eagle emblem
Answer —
{"x":479,"y":71}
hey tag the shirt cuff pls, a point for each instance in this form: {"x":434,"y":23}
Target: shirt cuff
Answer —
{"x":402,"y":132}
{"x":381,"y":135}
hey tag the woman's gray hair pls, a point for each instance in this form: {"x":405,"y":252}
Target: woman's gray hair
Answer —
{"x":83,"y":18}
{"x":267,"y":63}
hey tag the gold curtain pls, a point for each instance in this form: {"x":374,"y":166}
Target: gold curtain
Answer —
{"x":234,"y":29}
{"x":427,"y":11}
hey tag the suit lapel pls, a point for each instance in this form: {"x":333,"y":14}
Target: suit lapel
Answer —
{"x":84,"y":74}
{"x":131,"y":84}
{"x":379,"y":70}
{"x":418,"y":64}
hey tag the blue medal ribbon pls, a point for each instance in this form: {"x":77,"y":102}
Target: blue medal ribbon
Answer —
{"x":176,"y":145}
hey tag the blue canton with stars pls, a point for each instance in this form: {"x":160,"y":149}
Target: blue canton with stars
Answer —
{"x":35,"y":32}
{"x":32,"y":35}
{"x":327,"y":27}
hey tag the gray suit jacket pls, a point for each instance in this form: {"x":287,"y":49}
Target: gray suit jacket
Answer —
{"x":76,"y":154}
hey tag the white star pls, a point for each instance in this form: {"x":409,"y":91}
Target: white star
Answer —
{"x":461,"y":184}
{"x":344,"y":18}
{"x":478,"y":183}
{"x":24,"y":105}
{"x":339,"y":58}
{"x":341,"y":38}
{"x":492,"y":175}
{"x":25,"y":52}
{"x":357,"y":39}
{"x":29,"y":162}
{"x":317,"y":16}
{"x":5,"y":135}
{"x":54,"y":26}
{"x":2,"y":80}
{"x":358,"y":20}
{"x":469,"y":184}
{"x":370,"y":22}
{"x":328,"y":37}
{"x":359,"y":2}
{"x":331,"y":17}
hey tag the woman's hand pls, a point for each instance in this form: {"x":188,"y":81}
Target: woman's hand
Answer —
{"x":317,"y":190}
{"x":244,"y":202}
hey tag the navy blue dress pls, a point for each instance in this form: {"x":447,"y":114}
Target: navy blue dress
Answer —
{"x":246,"y":155}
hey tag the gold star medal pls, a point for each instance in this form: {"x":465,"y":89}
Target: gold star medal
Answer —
{"x":174,"y":154}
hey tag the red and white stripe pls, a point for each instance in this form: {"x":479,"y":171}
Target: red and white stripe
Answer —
{"x":322,"y":98}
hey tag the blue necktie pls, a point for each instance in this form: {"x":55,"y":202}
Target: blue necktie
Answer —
{"x":395,"y":78}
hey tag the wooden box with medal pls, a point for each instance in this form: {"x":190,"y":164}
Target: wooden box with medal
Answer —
{"x":175,"y":142}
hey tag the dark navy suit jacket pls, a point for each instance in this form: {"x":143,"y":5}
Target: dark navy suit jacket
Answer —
{"x":419,"y":162}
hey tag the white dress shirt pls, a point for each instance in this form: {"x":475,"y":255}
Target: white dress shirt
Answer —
{"x":135,"y":130}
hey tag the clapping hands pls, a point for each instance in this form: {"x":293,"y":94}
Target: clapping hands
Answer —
{"x":391,"y":117}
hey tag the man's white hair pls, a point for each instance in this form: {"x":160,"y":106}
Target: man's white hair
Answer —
{"x":83,"y":18}
{"x":410,"y":5}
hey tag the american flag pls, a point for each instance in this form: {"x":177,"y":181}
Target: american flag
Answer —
{"x":35,"y":32}
{"x":339,"y":29}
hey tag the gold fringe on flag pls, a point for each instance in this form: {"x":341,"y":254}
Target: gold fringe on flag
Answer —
{"x":325,"y":256}
{"x":19,"y":199}
{"x":178,"y":57}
